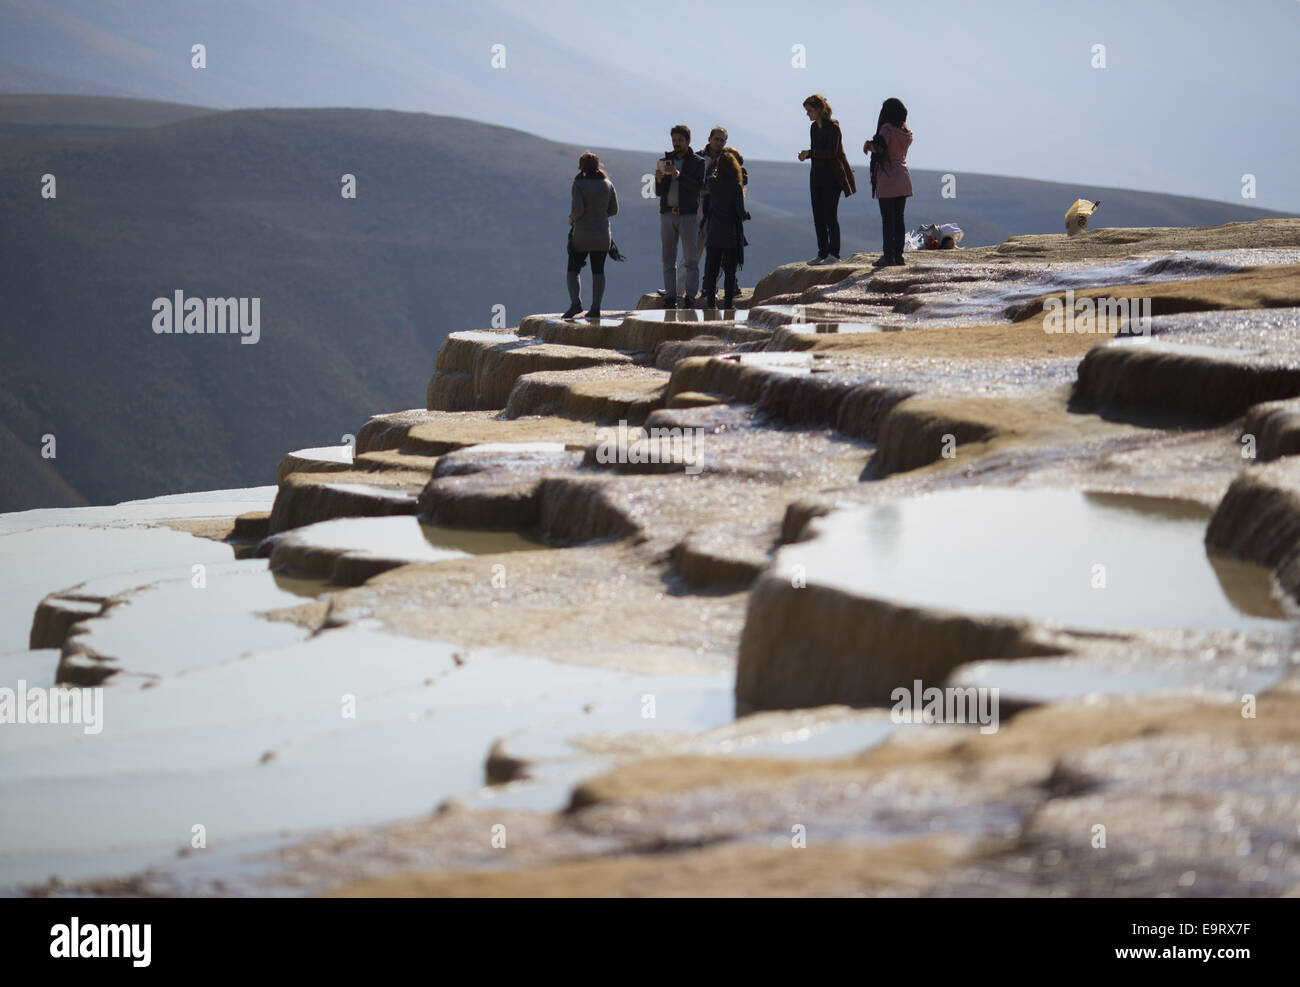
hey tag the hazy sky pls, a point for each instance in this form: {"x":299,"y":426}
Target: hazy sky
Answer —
{"x":1193,"y":95}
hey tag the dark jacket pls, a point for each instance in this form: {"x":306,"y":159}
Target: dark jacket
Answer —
{"x":711,"y":169}
{"x":711,"y":166}
{"x":592,"y":202}
{"x":825,"y":142}
{"x":724,"y":212}
{"x":691,"y":166}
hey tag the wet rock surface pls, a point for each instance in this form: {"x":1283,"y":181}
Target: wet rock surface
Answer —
{"x":725,"y":541}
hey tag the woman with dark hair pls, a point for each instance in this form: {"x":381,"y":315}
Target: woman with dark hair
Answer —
{"x":593,"y":201}
{"x":891,"y":182}
{"x":724,"y":238}
{"x":825,"y":181}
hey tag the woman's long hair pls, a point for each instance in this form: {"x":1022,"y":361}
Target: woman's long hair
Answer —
{"x":589,"y":167}
{"x":892,"y":111}
{"x":822,"y":106}
{"x":728,"y":166}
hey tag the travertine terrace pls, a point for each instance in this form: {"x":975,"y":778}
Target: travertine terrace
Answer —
{"x":714,"y":500}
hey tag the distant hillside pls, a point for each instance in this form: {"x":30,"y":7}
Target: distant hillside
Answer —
{"x":452,"y":218}
{"x":38,"y":114}
{"x":28,"y":480}
{"x":408,"y":56}
{"x":15,"y":78}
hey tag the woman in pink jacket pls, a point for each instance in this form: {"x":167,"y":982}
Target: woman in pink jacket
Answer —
{"x":891,"y":182}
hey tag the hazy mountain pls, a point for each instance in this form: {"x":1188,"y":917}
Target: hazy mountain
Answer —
{"x":991,"y":89}
{"x":459,"y":59}
{"x":40,"y":114}
{"x":16,"y":78}
{"x":452,"y":219}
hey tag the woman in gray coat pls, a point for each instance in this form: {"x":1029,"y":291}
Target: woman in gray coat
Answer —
{"x":594,"y":201}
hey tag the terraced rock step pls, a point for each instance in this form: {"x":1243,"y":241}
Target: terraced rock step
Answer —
{"x":305,"y":498}
{"x":57,"y":614}
{"x":1274,"y":427}
{"x":920,"y":430}
{"x":394,"y":460}
{"x":452,"y":388}
{"x":531,"y":326}
{"x":669,"y":354}
{"x":979,"y":287}
{"x":133,"y":638}
{"x":788,"y":387}
{"x":872,"y":598}
{"x":500,"y":371}
{"x":73,"y":548}
{"x":717,"y":560}
{"x":1258,"y":520}
{"x":1272,"y":286}
{"x":643,"y":332}
{"x":795,"y":278}
{"x":326,"y":459}
{"x":653,"y":300}
{"x":477,"y":370}
{"x":1191,"y":383}
{"x":348,"y":551}
{"x":432,"y":433}
{"x":605,"y":394}
{"x":1125,"y":241}
{"x":495,"y":485}
{"x":389,"y":431}
{"x":250,"y":527}
{"x":399,"y":454}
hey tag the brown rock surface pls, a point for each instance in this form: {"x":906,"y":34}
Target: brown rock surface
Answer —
{"x":843,"y":387}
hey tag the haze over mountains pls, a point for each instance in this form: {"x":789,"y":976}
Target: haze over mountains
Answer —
{"x":452,"y":219}
{"x":300,"y":53}
{"x":1182,"y":98}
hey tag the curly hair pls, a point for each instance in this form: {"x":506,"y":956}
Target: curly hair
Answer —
{"x":821,"y":105}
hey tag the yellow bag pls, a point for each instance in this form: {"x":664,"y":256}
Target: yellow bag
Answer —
{"x":1076,"y":217}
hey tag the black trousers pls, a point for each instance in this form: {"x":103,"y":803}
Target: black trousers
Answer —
{"x":892,"y":227}
{"x":576,"y":260}
{"x":826,"y":208}
{"x":724,"y":257}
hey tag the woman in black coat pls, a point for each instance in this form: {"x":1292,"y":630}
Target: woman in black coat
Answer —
{"x":825,"y":183}
{"x":724,"y":237}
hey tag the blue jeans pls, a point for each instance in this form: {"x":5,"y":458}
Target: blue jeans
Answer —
{"x":685,"y":226}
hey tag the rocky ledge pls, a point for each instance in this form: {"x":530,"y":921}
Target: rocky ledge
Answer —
{"x":865,"y":489}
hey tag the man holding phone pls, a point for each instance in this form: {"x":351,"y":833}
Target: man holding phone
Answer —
{"x":679,"y":176}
